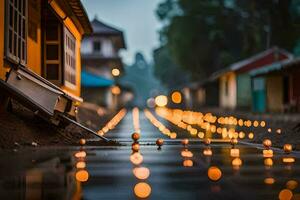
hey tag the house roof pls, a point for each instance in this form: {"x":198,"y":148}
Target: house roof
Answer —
{"x":277,"y":66}
{"x":78,"y":14}
{"x":259,"y":60}
{"x":241,"y":64}
{"x":91,"y":80}
{"x":102,"y":29}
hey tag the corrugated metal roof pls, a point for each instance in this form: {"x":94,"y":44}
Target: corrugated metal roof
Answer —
{"x":241,"y":64}
{"x":274,"y":67}
{"x":92,"y":80}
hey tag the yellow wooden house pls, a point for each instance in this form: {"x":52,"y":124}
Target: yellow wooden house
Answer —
{"x":44,"y":36}
{"x":42,"y":39}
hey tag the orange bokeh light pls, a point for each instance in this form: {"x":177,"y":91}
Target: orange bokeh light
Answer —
{"x":80,"y":165}
{"x":115,"y":90}
{"x":207,"y":152}
{"x":268,"y":162}
{"x":173,"y":135}
{"x":80,"y":154}
{"x":136,"y":158}
{"x":82,"y":175}
{"x":188,"y":163}
{"x":269,"y":181}
{"x":214,"y":173}
{"x":285,"y":194}
{"x":176,"y":97}
{"x":292,"y":184}
{"x":141,"y":172}
{"x":161,"y":100}
{"x":115,"y":72}
{"x":142,"y":190}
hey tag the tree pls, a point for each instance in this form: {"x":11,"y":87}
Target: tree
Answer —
{"x":204,"y":36}
{"x":167,"y":71}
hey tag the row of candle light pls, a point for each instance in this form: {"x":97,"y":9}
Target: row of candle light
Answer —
{"x":81,"y":174}
{"x":164,"y":130}
{"x":288,"y":160}
{"x":136,"y":121}
{"x":174,"y":116}
{"x":234,"y":152}
{"x":142,"y":189}
{"x":176,"y":120}
{"x":214,"y":173}
{"x":168,"y":114}
{"x":184,"y":119}
{"x":113,"y":122}
{"x":198,"y":118}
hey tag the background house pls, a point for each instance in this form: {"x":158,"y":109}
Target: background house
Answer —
{"x":235,"y":81}
{"x":276,"y":87}
{"x":101,"y":61}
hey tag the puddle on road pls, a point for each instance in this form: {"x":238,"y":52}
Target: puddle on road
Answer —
{"x":176,"y":172}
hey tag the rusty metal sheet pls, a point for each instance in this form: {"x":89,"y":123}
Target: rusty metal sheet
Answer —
{"x":40,"y":93}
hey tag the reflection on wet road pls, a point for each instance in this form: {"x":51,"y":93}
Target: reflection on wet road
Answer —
{"x":178,"y":170}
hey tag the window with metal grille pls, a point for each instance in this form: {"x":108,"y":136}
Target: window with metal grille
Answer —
{"x":69,"y":59}
{"x":97,"y":46}
{"x":16,"y":31}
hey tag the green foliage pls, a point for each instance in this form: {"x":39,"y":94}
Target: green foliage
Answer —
{"x":203,"y":36}
{"x":167,"y":71}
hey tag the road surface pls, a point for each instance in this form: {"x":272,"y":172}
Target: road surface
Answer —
{"x":172,"y":172}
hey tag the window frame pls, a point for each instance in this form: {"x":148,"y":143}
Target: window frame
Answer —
{"x":58,"y":61}
{"x":17,"y":57}
{"x":98,"y":42}
{"x":68,"y":69}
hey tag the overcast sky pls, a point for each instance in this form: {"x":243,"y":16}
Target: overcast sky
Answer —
{"x":135,"y":17}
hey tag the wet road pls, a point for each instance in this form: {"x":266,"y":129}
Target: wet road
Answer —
{"x":172,"y":172}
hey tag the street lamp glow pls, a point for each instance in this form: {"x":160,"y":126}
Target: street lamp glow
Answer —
{"x":176,"y":97}
{"x":115,"y":90}
{"x":115,"y":72}
{"x":161,"y":100}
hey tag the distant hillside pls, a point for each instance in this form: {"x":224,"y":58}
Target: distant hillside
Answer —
{"x":139,"y":77}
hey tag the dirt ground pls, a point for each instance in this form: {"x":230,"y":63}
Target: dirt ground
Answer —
{"x":20,"y":127}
